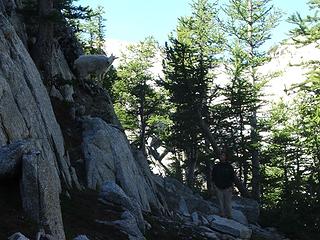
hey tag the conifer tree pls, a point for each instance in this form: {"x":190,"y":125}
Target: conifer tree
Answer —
{"x":239,"y":104}
{"x":291,"y":166}
{"x":92,"y":32}
{"x":138,"y":103}
{"x":308,"y":31}
{"x":250,"y":23}
{"x":292,"y":154}
{"x":191,"y":55}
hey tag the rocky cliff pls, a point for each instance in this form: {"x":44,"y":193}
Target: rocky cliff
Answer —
{"x":67,"y":167}
{"x":26,"y":114}
{"x":288,"y":66}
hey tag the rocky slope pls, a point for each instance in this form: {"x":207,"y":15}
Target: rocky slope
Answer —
{"x":67,"y":168}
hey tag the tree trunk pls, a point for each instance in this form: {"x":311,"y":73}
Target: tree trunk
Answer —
{"x":255,"y":161}
{"x":209,"y":178}
{"x":178,"y":169}
{"x":43,"y":49}
{"x":158,"y":157}
{"x":254,"y":131}
{"x":208,"y":173}
{"x":317,"y":157}
{"x":142,"y":144}
{"x":285,"y":170}
{"x":207,"y":134}
{"x":245,"y":172}
{"x":143,"y":122}
{"x":244,"y":164}
{"x":192,"y":162}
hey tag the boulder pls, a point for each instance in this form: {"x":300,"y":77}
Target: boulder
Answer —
{"x":129,"y":225}
{"x":195,"y":218}
{"x":172,"y":191}
{"x":200,"y":205}
{"x":211,"y":236}
{"x":205,"y":229}
{"x":17,"y":236}
{"x":264,"y":234}
{"x":111,"y":192}
{"x":126,"y":224}
{"x":229,"y":227}
{"x":204,"y":220}
{"x":183,"y":208}
{"x":249,"y":207}
{"x":238,"y":216}
{"x":81,"y":237}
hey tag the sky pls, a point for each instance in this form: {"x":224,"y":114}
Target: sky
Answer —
{"x":133,"y":20}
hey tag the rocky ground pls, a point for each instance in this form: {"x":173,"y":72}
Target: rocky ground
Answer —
{"x":111,"y":215}
{"x":80,"y":210}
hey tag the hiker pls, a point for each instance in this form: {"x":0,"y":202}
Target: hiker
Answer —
{"x":223,"y":177}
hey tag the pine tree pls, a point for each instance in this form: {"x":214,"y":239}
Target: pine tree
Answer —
{"x":191,"y":55}
{"x":74,"y":14}
{"x":138,"y":103}
{"x":240,"y":100}
{"x":291,"y":167}
{"x":250,"y":23}
{"x":308,"y":31}
{"x":92,"y":32}
{"x":291,"y":171}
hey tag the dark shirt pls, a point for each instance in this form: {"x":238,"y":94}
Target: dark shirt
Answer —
{"x":223,"y":175}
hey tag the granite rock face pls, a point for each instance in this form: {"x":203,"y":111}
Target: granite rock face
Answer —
{"x":34,"y":118}
{"x":26,"y":113}
{"x":60,"y":68}
{"x":108,"y":156}
{"x":40,"y":198}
